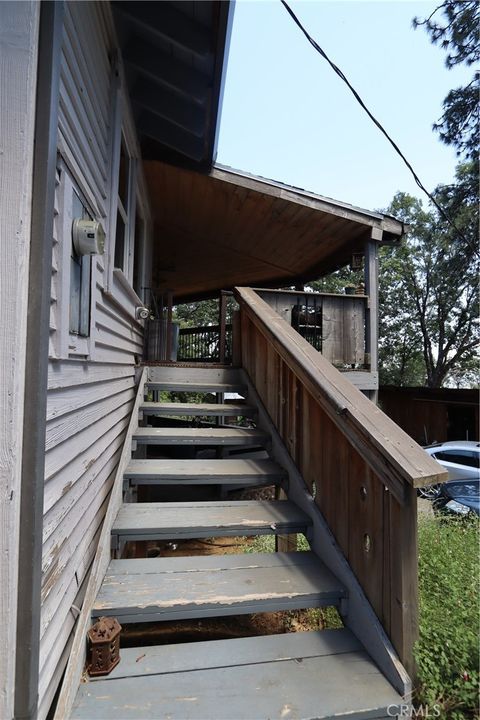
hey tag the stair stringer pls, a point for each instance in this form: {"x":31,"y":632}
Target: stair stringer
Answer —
{"x":357,"y":613}
{"x":77,"y":656}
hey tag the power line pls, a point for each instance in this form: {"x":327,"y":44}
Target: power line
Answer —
{"x":341,"y":75}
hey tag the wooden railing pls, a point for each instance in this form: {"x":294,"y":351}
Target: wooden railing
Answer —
{"x":333,"y":324}
{"x":361,"y":468}
{"x":205,"y":344}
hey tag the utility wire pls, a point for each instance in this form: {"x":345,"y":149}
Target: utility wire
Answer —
{"x":378,"y":124}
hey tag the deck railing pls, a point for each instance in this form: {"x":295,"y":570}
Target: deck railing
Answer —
{"x":360,"y":467}
{"x":333,"y":324}
{"x":205,"y":344}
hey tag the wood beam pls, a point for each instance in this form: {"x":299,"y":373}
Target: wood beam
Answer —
{"x":167,"y":104}
{"x":163,"y":20}
{"x":371,"y":315}
{"x":151,"y":61}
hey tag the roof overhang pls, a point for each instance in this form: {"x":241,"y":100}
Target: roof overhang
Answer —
{"x":229,"y":228}
{"x":174,"y":57}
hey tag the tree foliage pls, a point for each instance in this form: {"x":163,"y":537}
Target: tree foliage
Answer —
{"x":428,"y":290}
{"x":455,"y":26}
{"x":202,"y":313}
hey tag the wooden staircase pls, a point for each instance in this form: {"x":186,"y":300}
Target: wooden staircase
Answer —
{"x":317,"y":674}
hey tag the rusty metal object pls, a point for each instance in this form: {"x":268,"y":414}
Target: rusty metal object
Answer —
{"x":104,"y":646}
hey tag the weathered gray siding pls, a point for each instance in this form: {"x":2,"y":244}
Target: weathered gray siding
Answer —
{"x":91,"y":379}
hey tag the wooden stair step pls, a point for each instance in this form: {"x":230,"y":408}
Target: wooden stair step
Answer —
{"x":204,"y":472}
{"x":213,"y":585}
{"x":174,"y":521}
{"x":323,"y":674}
{"x":200,"y":436}
{"x":197,"y":387}
{"x":196,"y":409}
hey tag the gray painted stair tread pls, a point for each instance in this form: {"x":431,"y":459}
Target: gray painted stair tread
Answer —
{"x":205,"y":655}
{"x":203,"y":471}
{"x":194,"y":587}
{"x":196,"y":386}
{"x":206,"y":519}
{"x":199,"y":563}
{"x":297,"y":676}
{"x":200,"y":436}
{"x":191,"y":409}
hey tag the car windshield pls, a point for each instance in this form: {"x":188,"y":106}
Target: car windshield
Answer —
{"x":460,"y":457}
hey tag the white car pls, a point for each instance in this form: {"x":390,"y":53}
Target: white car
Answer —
{"x":460,"y":457}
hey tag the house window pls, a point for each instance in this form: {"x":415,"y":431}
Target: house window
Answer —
{"x":80,"y":275}
{"x":125,"y":212}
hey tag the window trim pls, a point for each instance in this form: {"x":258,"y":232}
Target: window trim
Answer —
{"x":70,"y":345}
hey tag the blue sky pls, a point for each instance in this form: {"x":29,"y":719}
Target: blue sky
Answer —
{"x":287,"y":116}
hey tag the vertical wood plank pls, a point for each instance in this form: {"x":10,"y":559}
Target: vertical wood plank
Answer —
{"x":404,"y":577}
{"x":333,"y":497}
{"x":353,"y":331}
{"x":366,"y":529}
{"x":313,"y":454}
{"x":332,"y":330}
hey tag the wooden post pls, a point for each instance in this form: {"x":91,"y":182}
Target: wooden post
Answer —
{"x":236,"y":339}
{"x":169,"y":324}
{"x":222,"y":317}
{"x":371,"y":315}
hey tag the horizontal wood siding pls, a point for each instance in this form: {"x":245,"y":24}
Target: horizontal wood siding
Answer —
{"x":85,"y":79}
{"x":88,"y":410}
{"x":91,"y":382}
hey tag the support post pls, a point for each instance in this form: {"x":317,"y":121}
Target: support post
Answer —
{"x":371,"y":315}
{"x":222,"y":318}
{"x":169,"y":325}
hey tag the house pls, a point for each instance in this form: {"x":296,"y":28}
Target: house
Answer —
{"x":109,"y":113}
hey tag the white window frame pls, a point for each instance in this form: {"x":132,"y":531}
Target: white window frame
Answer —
{"x":119,"y":283}
{"x":70,"y":345}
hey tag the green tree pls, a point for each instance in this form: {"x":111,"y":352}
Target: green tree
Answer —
{"x":197,"y":314}
{"x":455,"y":26}
{"x":337,"y":281}
{"x":428,"y":290}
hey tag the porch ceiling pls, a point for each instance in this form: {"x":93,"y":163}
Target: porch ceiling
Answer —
{"x":216,"y":231}
{"x":173,"y":53}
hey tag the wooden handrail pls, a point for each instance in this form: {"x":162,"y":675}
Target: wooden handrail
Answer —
{"x":360,"y":469}
{"x":387,"y":449}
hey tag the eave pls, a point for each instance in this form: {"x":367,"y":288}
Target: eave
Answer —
{"x":229,"y":228}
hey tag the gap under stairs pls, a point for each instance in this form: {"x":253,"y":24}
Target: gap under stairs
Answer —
{"x":303,"y":675}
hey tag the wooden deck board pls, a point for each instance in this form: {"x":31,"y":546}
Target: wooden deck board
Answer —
{"x":195,"y":587}
{"x":298,"y":676}
{"x":200,"y":436}
{"x":196,"y":409}
{"x":204,"y":471}
{"x":137,"y":521}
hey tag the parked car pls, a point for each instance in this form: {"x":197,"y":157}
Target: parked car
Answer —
{"x":459,"y":496}
{"x":462,"y":461}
